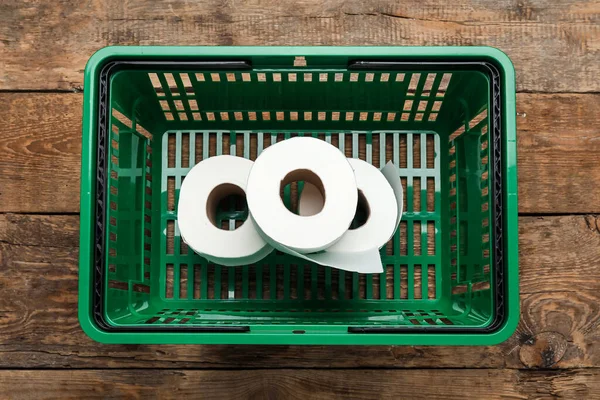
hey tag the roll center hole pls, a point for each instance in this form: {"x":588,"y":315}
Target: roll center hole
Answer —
{"x":226,"y":207}
{"x":293,"y":183}
{"x":363,"y":211}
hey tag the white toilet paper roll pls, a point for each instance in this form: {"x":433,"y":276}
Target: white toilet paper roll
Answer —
{"x":204,"y":186}
{"x":381,"y":197}
{"x":377,"y":200}
{"x":310,"y":160}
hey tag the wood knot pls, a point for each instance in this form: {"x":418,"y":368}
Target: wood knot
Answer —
{"x":593,"y":223}
{"x":543,"y":350}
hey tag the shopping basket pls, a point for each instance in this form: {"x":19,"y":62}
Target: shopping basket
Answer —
{"x":445,"y":116}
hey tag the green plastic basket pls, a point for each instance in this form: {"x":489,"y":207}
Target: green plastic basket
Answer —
{"x":445,"y":116}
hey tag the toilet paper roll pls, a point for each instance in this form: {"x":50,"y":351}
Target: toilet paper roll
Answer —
{"x":381,"y":198}
{"x":310,"y":160}
{"x":204,"y":186}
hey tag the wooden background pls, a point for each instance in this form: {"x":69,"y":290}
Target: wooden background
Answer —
{"x":555,"y":46}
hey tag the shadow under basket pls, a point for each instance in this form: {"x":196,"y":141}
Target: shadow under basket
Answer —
{"x":444,"y":116}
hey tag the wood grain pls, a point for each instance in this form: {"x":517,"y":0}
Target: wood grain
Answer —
{"x":558,"y":135}
{"x":40,"y":230}
{"x":560,"y":305}
{"x":558,"y":149}
{"x":40,"y":152}
{"x":543,"y":39}
{"x":301,"y":384}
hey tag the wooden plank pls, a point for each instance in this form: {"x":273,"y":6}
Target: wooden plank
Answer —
{"x":560,"y":286}
{"x":54,"y":57}
{"x":40,"y":152}
{"x":60,"y":231}
{"x":557,"y":142}
{"x":568,"y":247}
{"x":291,"y":383}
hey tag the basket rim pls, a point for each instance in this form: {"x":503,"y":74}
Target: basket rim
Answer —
{"x":96,"y":88}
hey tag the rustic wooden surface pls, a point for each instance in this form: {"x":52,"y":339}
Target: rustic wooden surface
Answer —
{"x":301,"y":384}
{"x":554,"y":353}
